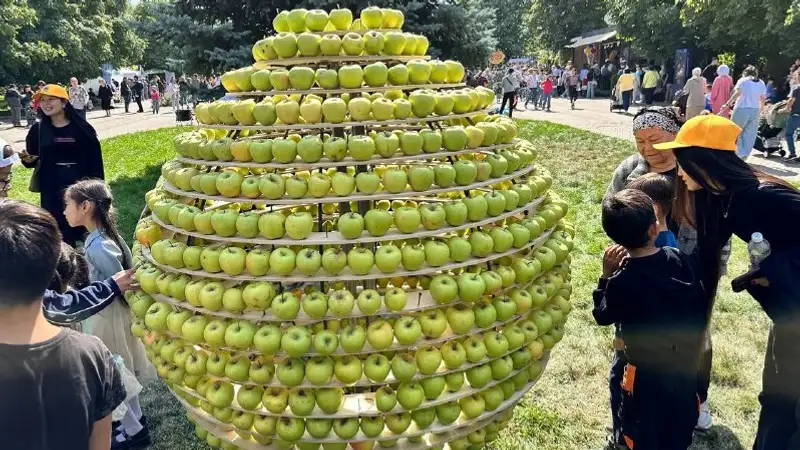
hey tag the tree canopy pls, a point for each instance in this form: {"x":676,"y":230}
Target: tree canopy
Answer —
{"x":56,"y":39}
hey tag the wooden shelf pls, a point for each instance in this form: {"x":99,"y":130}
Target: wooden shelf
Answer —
{"x":321,"y":91}
{"x":365,"y":123}
{"x":349,"y":198}
{"x":298,"y":164}
{"x":363,"y":404}
{"x":335,"y":238}
{"x":226,"y":431}
{"x":346,"y":275}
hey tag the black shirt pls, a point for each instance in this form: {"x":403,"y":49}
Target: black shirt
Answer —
{"x":54,"y":391}
{"x":796,"y":105}
{"x":660,"y":305}
{"x":710,"y":73}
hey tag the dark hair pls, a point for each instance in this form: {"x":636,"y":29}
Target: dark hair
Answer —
{"x":627,"y":70}
{"x":750,"y":71}
{"x":721,"y":174}
{"x":627,"y":216}
{"x":72,"y":270}
{"x":29,"y":247}
{"x":98,"y":194}
{"x":510,"y":70}
{"x":660,"y":188}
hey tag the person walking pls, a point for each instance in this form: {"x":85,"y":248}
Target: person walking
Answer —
{"x":793,"y":122}
{"x":749,"y":96}
{"x":649,"y":84}
{"x":723,"y":196}
{"x":711,"y":71}
{"x":510,"y":84}
{"x":63,"y":148}
{"x":138,"y":91}
{"x":547,"y":93}
{"x":78,"y":97}
{"x":155,"y":98}
{"x":14,"y":101}
{"x":625,"y":87}
{"x":591,"y":83}
{"x":125,"y":92}
{"x":721,"y":90}
{"x":573,"y":86}
{"x":695,"y":87}
{"x":106,"y":94}
{"x":532,"y":80}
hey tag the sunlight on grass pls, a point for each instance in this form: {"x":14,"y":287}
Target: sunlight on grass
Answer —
{"x":568,"y":409}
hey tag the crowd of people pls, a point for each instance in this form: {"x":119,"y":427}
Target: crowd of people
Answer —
{"x":671,"y":210}
{"x":71,"y":242}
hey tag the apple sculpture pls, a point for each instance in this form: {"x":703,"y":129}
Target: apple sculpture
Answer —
{"x":308,"y":275}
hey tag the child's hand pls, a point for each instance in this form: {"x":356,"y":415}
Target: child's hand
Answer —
{"x":612,"y":259}
{"x":125,"y":279}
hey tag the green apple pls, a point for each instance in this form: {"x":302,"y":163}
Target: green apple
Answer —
{"x":352,"y":44}
{"x":394,"y":45}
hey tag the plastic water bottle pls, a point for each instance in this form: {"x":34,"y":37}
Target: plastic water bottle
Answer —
{"x":758,"y":249}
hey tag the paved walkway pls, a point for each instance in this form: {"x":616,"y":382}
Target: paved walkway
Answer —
{"x":591,"y":115}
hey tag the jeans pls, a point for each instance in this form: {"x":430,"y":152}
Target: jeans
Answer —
{"x":590,"y":90}
{"x":792,"y":125}
{"x":156,"y":105}
{"x":81,"y":112}
{"x":509,"y":97}
{"x":544,"y":100}
{"x":127,"y":100}
{"x":533,"y":97}
{"x":16,"y":115}
{"x":626,"y":99}
{"x":139,"y":103}
{"x":618,"y":363}
{"x":747,"y":119}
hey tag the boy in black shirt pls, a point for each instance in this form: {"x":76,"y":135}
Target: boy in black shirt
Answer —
{"x":58,"y":387}
{"x":659,"y":303}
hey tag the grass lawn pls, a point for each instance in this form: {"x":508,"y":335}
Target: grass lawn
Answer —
{"x":568,"y":408}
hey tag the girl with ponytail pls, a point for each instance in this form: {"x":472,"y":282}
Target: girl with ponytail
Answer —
{"x":89,"y":204}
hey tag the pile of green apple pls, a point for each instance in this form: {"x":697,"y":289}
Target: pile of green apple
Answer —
{"x":417,"y":72}
{"x":208,"y":146}
{"x":406,"y":217}
{"x":312,"y":109}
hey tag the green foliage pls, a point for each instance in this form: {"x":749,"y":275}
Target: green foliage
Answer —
{"x":512,"y":34}
{"x":553,"y":24}
{"x":56,"y":39}
{"x":654,"y":27}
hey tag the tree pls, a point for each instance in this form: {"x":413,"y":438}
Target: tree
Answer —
{"x":56,"y":39}
{"x":553,"y":23}
{"x":513,"y":32}
{"x":654,"y":27}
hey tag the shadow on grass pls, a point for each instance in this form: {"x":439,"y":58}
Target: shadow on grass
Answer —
{"x":129,"y":197}
{"x":719,"y":437}
{"x":166,"y":419}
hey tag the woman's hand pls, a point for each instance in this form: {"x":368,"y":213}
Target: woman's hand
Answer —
{"x":751,"y":278}
{"x":612,"y":259}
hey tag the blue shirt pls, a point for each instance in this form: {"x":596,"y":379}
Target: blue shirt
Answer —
{"x":666,"y":239}
{"x":103,"y":255}
{"x":751,"y":93}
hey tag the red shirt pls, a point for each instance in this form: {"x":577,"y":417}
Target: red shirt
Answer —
{"x":547,"y":86}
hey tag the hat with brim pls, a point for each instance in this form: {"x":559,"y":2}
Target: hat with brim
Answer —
{"x":52,"y":90}
{"x":707,"y":131}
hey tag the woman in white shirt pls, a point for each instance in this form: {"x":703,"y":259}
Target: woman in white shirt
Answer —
{"x":532,"y":80}
{"x":749,"y":96}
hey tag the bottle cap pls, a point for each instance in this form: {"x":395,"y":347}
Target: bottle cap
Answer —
{"x":757,"y":237}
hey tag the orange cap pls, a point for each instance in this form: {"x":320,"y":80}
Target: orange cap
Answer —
{"x":708,"y":131}
{"x":53,"y":90}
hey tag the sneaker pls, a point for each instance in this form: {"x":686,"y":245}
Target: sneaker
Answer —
{"x":121,"y":441}
{"x":704,"y":421}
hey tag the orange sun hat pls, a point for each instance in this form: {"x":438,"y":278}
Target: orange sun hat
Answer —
{"x":53,"y":90}
{"x":708,"y":131}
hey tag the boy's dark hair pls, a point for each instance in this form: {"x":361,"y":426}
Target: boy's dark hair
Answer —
{"x":660,"y":189}
{"x":72,"y":270}
{"x":627,"y":216}
{"x":30,"y":244}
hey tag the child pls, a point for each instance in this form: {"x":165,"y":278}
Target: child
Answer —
{"x":88,"y":204}
{"x":661,"y":308}
{"x":7,"y":160}
{"x":661,"y":190}
{"x":547,"y":93}
{"x":155,"y":98}
{"x":58,"y":386}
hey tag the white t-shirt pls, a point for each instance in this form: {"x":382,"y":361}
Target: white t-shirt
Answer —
{"x":751,"y":93}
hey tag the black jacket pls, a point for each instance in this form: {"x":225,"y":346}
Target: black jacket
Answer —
{"x":137,"y":88}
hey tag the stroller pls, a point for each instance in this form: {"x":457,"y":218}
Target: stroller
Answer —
{"x":770,"y":130}
{"x":616,"y":101}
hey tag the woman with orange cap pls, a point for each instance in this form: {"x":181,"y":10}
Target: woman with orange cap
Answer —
{"x":63,"y":148}
{"x":721,"y":196}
